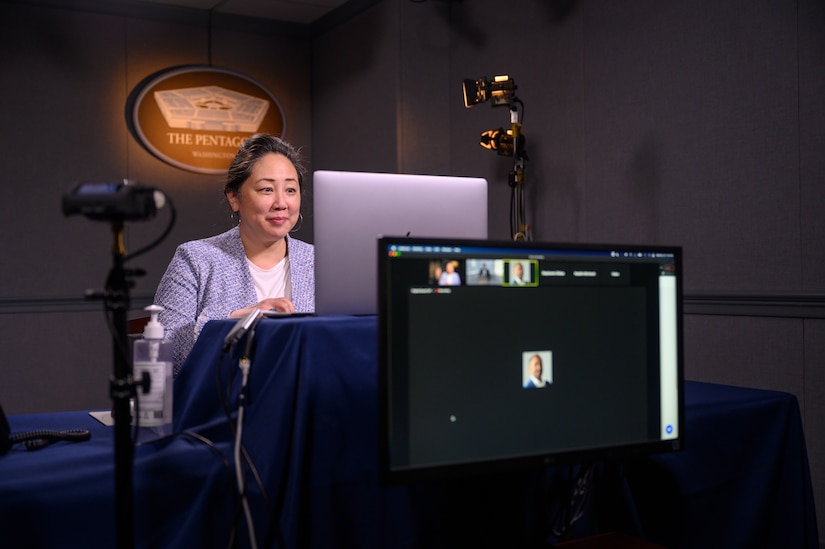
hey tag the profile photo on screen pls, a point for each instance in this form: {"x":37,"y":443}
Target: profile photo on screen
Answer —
{"x":537,"y":369}
{"x":484,"y":272}
{"x":520,"y":272}
{"x":449,"y":275}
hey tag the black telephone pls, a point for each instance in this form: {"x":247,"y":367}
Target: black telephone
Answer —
{"x":36,"y":439}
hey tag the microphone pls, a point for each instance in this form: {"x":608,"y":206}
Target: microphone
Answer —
{"x":241,"y":327}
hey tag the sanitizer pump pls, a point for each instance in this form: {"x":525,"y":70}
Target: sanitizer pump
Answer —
{"x":153,"y":355}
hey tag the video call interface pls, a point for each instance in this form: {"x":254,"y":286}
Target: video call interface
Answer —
{"x":503,"y":353}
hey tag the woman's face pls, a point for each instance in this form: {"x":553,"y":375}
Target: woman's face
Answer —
{"x":269,"y":201}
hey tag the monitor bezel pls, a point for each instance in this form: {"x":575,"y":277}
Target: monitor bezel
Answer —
{"x":392,"y":475}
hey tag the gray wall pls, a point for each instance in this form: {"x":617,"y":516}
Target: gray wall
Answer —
{"x":66,"y":74}
{"x":698,"y":124}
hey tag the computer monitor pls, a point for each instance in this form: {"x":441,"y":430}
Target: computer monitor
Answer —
{"x":503,"y":354}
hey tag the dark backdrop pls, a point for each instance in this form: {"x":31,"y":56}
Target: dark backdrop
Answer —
{"x":693,"y":123}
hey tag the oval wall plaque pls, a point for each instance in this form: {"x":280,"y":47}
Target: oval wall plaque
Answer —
{"x":195,"y":117}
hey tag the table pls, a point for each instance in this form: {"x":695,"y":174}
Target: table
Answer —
{"x":310,"y":429}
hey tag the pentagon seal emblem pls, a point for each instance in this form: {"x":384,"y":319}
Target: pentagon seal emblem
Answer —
{"x":195,"y":117}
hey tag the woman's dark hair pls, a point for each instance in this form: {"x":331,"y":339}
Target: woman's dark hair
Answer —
{"x":253,"y":149}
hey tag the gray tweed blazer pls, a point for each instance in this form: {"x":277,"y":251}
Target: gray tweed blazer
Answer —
{"x":208,"y":279}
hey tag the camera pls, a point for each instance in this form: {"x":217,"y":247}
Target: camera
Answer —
{"x":122,"y":201}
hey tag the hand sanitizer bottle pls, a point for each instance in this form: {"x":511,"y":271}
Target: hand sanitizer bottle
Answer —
{"x":153,"y":354}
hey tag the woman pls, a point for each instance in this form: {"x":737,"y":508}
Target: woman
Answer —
{"x":253,"y":265}
{"x":449,"y":277}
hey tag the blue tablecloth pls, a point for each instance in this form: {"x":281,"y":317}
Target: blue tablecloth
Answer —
{"x":311,"y":430}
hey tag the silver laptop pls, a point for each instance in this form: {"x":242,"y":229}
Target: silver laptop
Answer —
{"x":352,"y":209}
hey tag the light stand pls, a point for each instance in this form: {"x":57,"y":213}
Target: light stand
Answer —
{"x":501,"y":91}
{"x":519,"y":227}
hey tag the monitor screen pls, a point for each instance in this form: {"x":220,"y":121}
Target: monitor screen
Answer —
{"x":522,"y":353}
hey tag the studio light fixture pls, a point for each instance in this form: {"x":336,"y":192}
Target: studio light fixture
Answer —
{"x":501,"y":92}
{"x":499,"y":140}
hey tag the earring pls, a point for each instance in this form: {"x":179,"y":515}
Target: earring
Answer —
{"x":299,"y":224}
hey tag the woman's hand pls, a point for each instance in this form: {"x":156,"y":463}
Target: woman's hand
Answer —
{"x":281,"y":304}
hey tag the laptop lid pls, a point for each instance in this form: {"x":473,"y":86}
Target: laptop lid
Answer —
{"x":352,"y":209}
